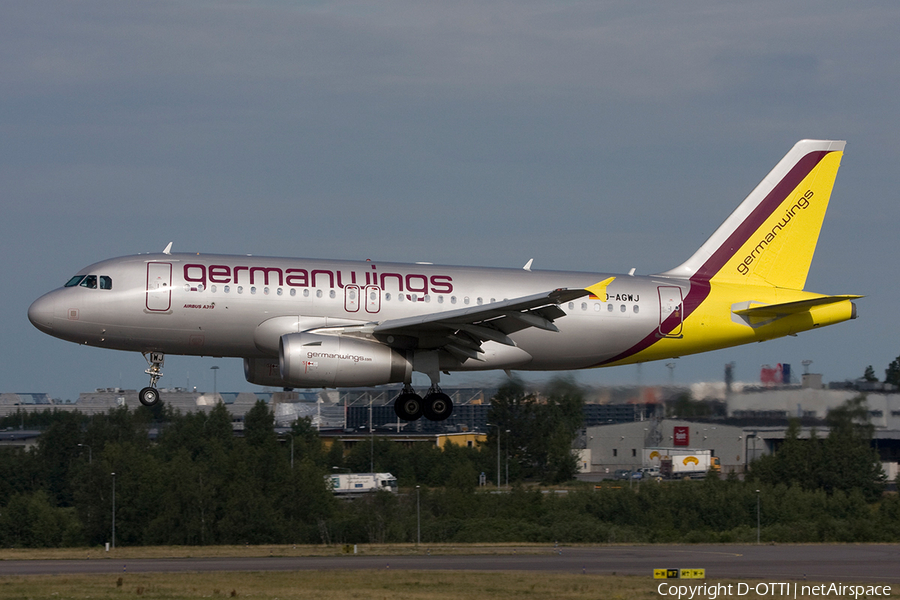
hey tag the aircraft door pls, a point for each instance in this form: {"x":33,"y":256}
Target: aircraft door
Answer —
{"x":159,"y":286}
{"x":373,"y":298}
{"x":671,"y":311}
{"x":351,"y":298}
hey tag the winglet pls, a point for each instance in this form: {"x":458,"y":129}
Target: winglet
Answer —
{"x":527,"y":266}
{"x":598,"y":290}
{"x":168,"y":249}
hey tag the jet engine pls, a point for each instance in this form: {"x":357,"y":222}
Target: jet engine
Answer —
{"x":312,"y":360}
{"x":264,"y":371}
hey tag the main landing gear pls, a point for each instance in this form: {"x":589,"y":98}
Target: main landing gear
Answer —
{"x":436,"y":406}
{"x":149,"y":396}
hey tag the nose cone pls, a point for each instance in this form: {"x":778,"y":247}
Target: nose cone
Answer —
{"x":42,"y":311}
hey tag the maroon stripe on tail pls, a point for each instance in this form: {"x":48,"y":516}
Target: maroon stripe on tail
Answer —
{"x":759,"y":215}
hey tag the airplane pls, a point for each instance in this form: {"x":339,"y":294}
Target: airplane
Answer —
{"x":333,"y":323}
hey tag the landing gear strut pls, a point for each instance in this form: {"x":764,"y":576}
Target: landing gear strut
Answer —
{"x":149,"y":396}
{"x":436,"y":406}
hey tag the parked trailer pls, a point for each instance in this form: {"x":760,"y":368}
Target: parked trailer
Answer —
{"x":352,"y":484}
{"x":677,"y":463}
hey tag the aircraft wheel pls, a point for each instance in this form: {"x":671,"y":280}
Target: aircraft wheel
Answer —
{"x":408,"y":406}
{"x":148,"y":396}
{"x":438,"y":406}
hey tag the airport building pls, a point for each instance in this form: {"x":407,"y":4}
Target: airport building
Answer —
{"x":620,"y":422}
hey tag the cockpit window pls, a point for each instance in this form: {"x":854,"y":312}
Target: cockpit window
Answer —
{"x":90,"y":281}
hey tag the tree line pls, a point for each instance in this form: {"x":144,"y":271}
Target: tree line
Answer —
{"x":196,"y":483}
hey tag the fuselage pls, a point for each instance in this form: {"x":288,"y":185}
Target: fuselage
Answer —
{"x":232,"y":305}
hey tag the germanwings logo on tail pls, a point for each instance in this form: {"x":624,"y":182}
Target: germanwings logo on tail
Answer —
{"x":802,"y":204}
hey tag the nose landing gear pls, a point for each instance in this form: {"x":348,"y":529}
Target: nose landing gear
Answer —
{"x":149,"y":396}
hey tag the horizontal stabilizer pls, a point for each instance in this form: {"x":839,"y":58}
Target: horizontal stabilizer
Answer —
{"x":790,"y":308}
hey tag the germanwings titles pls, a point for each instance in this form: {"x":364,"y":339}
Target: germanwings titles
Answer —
{"x":325,"y":323}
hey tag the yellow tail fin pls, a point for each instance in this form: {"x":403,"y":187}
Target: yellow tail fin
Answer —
{"x":771,"y":238}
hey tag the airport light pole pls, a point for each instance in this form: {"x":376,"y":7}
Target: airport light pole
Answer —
{"x":499,"y":474}
{"x":90,"y":453}
{"x":371,"y":439}
{"x":114,"y":511}
{"x":507,"y":458}
{"x":757,"y":516}
{"x":292,"y":449}
{"x":215,"y":370}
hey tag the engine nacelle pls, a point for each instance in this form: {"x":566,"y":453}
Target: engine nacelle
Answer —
{"x":310,"y":360}
{"x":264,"y":371}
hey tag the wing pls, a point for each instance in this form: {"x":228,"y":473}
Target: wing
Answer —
{"x":461,"y":332}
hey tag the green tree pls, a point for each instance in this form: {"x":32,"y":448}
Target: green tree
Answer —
{"x":564,"y":415}
{"x":892,"y":373}
{"x":259,"y":425}
{"x":869,"y":375}
{"x":844,"y":461}
{"x":849,"y":462}
{"x":538,"y":436}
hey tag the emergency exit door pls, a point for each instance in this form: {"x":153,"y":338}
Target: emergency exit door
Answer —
{"x":671,"y":311}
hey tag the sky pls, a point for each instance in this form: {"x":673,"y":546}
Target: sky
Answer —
{"x":590,"y":136}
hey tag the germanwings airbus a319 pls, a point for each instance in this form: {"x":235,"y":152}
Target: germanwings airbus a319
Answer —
{"x":326,"y":323}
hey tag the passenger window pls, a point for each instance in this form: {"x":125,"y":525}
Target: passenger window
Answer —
{"x":105,"y":282}
{"x":90,"y":282}
{"x":74,"y":281}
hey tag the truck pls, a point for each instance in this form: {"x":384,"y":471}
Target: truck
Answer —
{"x":678,"y":463}
{"x":348,"y":485}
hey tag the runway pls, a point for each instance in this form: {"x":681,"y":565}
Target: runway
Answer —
{"x":872,"y":563}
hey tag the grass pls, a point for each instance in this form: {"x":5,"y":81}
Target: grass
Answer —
{"x":340,"y":585}
{"x":288,"y":550}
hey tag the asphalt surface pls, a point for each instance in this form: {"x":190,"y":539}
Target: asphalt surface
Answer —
{"x":873,"y":563}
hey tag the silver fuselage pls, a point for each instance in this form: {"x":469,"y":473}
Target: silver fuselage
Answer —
{"x":222,"y":305}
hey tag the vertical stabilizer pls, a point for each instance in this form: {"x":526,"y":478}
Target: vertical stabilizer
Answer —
{"x":771,"y":237}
